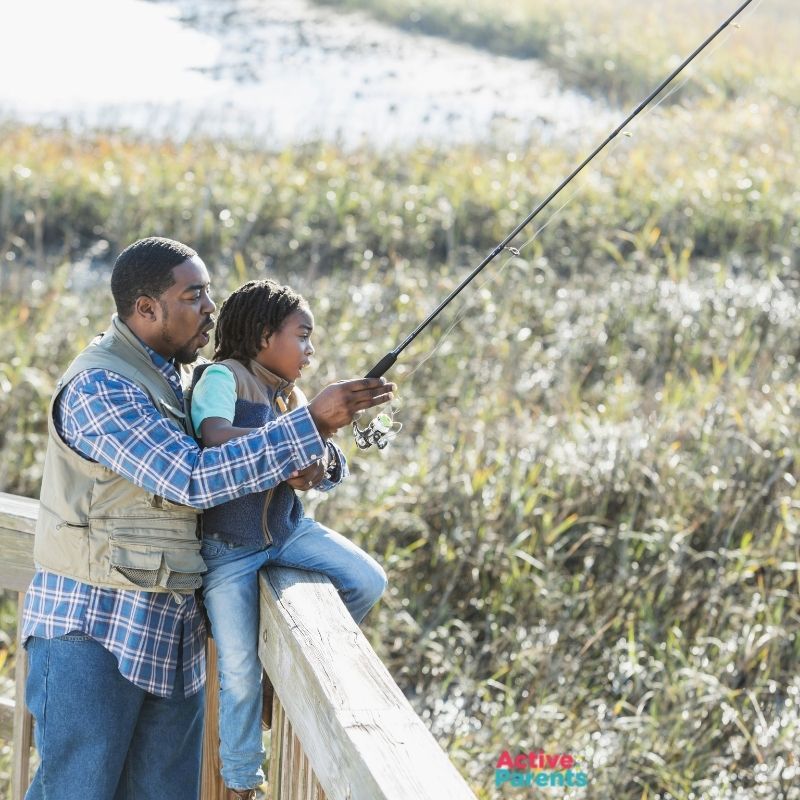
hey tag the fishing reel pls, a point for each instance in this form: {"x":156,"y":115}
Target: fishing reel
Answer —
{"x":378,"y":432}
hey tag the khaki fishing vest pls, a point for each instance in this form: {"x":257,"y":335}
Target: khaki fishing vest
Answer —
{"x":98,"y":527}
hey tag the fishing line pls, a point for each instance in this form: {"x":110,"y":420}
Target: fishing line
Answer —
{"x":491,"y":278}
{"x":494,"y":277}
{"x":383,"y":427}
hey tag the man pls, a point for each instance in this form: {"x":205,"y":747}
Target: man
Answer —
{"x":114,"y":635}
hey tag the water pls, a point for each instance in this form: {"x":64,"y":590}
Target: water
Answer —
{"x":275,"y":71}
{"x":83,"y":59}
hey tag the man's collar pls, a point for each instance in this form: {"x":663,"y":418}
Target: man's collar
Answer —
{"x":163,"y":364}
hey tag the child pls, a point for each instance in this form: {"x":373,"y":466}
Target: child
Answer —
{"x":263,"y":342}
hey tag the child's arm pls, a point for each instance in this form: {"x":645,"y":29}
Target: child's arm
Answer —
{"x":214,"y":407}
{"x":218,"y":430}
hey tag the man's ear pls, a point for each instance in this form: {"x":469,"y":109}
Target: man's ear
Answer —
{"x":263,"y":342}
{"x":146,"y":308}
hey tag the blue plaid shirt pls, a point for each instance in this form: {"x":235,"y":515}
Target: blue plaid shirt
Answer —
{"x":108,"y":419}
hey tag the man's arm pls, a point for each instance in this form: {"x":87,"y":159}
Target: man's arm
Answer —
{"x":322,"y":474}
{"x":110,"y":420}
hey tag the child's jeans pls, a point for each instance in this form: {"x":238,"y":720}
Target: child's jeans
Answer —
{"x":230,"y":592}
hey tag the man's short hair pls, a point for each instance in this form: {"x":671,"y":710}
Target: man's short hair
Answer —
{"x":145,"y":268}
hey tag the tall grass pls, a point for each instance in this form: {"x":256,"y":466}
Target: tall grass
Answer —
{"x":711,"y":180}
{"x":590,"y":518}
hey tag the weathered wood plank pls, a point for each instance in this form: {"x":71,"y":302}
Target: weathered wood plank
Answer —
{"x":18,"y":513}
{"x":285,"y":776}
{"x":16,"y":567}
{"x":361,"y":735}
{"x":275,"y":755}
{"x":23,"y":721}
{"x":285,"y":747}
{"x":212,"y":787}
{"x":17,"y":524}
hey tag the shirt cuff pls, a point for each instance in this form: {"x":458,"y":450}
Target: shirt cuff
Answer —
{"x":306,"y":443}
{"x":337,"y":468}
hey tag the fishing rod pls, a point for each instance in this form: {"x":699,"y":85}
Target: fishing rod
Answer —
{"x":383,"y":426}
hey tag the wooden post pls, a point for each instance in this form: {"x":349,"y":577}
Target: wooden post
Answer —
{"x":23,"y":722}
{"x":6,"y":718}
{"x":17,"y":524}
{"x":290,"y":774}
{"x":212,"y":787}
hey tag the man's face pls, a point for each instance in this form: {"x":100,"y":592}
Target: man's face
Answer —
{"x":183,"y":313}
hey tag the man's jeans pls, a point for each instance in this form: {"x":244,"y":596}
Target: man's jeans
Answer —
{"x":100,"y":737}
{"x":230,"y":593}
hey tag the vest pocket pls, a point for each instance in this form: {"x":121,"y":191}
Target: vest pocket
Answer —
{"x":174,"y":565}
{"x":61,"y":546}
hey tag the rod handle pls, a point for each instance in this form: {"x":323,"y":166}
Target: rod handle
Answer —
{"x":382,"y":366}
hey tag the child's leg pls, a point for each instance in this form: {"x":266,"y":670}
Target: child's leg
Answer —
{"x":230,"y":593}
{"x":358,"y":577}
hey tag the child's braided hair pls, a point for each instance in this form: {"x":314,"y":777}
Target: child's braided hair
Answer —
{"x":256,"y":309}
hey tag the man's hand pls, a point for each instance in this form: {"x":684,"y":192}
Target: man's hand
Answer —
{"x":308,"y":478}
{"x":336,"y":405}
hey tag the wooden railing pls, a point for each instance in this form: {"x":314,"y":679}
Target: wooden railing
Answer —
{"x":341,"y":727}
{"x":17,"y":522}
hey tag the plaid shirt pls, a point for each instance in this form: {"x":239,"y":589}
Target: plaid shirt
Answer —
{"x":108,"y":419}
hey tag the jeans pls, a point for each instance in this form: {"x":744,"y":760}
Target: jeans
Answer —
{"x":99,"y":736}
{"x":230,"y":593}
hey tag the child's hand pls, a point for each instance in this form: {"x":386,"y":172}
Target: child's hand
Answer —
{"x":308,"y":478}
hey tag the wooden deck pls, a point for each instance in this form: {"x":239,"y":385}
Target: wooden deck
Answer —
{"x":341,"y":727}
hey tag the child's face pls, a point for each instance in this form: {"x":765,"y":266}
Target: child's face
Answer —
{"x":289,"y":349}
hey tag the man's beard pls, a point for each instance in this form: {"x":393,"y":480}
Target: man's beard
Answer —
{"x":183,"y":354}
{"x":186,"y":356}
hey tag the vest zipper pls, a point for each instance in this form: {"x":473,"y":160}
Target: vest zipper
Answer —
{"x":264,"y":518}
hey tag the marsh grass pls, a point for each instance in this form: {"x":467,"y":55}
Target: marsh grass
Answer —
{"x":590,"y":518}
{"x":716,"y":179}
